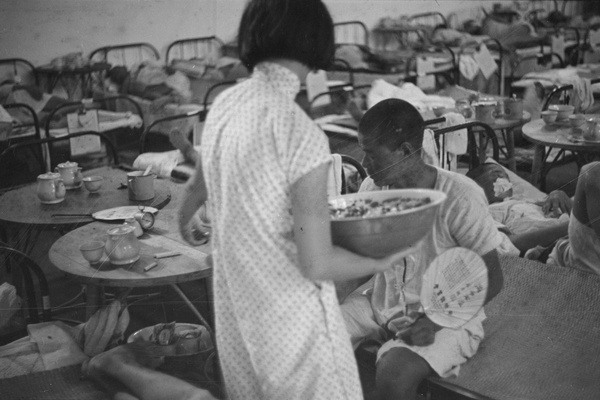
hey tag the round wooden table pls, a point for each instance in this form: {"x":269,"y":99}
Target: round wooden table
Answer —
{"x":23,"y":213}
{"x":559,"y":135}
{"x":190,"y":265}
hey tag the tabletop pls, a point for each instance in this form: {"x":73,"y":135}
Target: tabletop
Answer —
{"x":190,"y":265}
{"x":558,"y":134}
{"x":21,"y":206}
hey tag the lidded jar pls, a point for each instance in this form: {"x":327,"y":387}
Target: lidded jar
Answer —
{"x":122,"y":246}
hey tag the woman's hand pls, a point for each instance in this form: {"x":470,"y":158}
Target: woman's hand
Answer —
{"x":193,"y":231}
{"x":556,"y":204}
{"x":397,"y":259}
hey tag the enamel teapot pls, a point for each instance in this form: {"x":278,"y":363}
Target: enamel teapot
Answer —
{"x":122,"y":246}
{"x":50,"y":188}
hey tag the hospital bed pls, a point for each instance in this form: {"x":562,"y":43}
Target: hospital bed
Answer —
{"x":204,"y":63}
{"x":402,"y":63}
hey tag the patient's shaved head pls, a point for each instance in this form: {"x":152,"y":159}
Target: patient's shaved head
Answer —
{"x":392,"y":122}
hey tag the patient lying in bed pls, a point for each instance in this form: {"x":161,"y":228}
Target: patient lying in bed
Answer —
{"x":527,"y":222}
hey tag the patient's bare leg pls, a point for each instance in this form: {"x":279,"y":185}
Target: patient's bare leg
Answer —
{"x":181,"y":142}
{"x":131,"y":365}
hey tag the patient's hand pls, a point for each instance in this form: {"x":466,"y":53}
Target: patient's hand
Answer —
{"x":421,"y":333}
{"x":556,"y":204}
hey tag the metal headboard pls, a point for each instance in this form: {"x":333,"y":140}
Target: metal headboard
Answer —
{"x":190,"y":48}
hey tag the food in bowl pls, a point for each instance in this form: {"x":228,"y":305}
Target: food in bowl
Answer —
{"x":380,"y":223}
{"x":366,"y":208}
{"x":563,"y":111}
{"x":175,"y":339}
{"x":549,"y":116}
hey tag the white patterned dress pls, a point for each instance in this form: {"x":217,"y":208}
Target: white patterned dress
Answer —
{"x":279,"y":335}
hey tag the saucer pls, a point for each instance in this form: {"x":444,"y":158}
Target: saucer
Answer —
{"x":74,"y":187}
{"x":580,"y":139}
{"x":53,"y":201}
{"x":124,"y":262}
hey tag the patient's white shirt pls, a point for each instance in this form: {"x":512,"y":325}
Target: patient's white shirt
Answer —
{"x":461,"y":221}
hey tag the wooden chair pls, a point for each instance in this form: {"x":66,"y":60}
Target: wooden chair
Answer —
{"x":477,"y":150}
{"x":19,"y":270}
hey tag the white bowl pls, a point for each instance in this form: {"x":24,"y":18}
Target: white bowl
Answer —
{"x":563,"y":110}
{"x":380,"y":236}
{"x":93,"y":183}
{"x":92,"y":251}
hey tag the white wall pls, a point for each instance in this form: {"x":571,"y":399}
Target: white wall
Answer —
{"x":39,"y":30}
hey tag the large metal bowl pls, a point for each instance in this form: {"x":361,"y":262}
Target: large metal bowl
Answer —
{"x":377,"y":237}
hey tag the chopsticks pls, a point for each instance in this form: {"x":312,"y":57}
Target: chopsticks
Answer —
{"x":72,"y":215}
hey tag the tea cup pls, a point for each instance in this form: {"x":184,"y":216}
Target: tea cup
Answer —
{"x":549,"y":116}
{"x":93,"y":183}
{"x":577,"y":120}
{"x":92,"y":251}
{"x":563,"y":111}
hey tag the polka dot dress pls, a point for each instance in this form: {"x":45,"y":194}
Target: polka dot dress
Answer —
{"x":279,"y":335}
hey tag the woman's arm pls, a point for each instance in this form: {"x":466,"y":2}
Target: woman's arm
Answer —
{"x":319,"y":258}
{"x":195,"y":195}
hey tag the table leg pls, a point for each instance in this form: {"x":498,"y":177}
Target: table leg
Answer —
{"x":510,"y":150}
{"x":192,"y":307}
{"x":537,"y":166}
{"x":94,"y":297}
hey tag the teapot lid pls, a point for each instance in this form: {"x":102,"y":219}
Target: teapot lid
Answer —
{"x":67,"y":164}
{"x":49,"y":175}
{"x":121,"y":230}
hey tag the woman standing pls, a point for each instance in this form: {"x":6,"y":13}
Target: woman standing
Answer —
{"x":265,"y":164}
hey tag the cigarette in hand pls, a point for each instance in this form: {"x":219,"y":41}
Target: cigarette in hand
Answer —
{"x":167,"y":254}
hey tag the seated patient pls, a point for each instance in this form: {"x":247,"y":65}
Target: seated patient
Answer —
{"x":527,"y":223}
{"x":391,"y":135}
{"x":581,"y":249}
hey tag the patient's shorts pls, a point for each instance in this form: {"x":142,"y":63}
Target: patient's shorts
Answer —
{"x":450,"y":349}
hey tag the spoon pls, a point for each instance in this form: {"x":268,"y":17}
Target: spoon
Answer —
{"x":147,"y":171}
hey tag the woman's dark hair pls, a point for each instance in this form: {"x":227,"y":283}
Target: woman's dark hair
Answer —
{"x":300,"y":30}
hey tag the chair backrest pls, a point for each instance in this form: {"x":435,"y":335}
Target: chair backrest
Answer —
{"x":194,"y":48}
{"x":561,"y":94}
{"x":46,"y":165}
{"x":353,"y":173}
{"x":31,"y":286}
{"x":477,"y":147}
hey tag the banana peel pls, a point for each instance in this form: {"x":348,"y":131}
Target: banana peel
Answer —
{"x":105,"y":328}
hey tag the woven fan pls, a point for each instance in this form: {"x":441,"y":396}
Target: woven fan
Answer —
{"x":454,"y":287}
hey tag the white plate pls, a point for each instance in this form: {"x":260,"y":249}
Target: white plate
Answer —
{"x":580,"y":139}
{"x":119,"y":213}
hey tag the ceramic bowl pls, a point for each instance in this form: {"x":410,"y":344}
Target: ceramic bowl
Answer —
{"x":380,"y":236}
{"x":93,"y":183}
{"x":549,"y":116}
{"x":92,"y":251}
{"x":563,"y":111}
{"x":576,"y":120}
